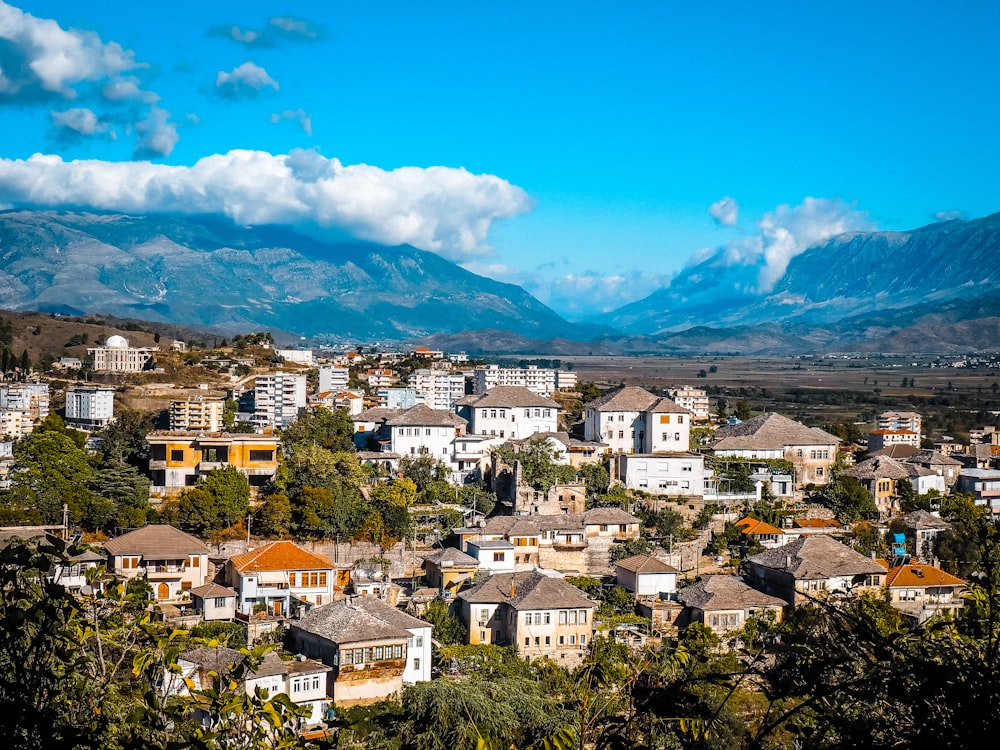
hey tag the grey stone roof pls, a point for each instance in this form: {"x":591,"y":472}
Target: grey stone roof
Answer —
{"x":920,"y":520}
{"x":817,"y":556}
{"x":453,"y":556}
{"x":219,"y":660}
{"x":668,"y":406}
{"x":492,"y":544}
{"x":931,"y":458}
{"x":530,"y":590}
{"x":535,"y":524}
{"x":627,"y":398}
{"x":717,"y":592}
{"x":509,"y":396}
{"x":644,"y":564}
{"x":156,"y":542}
{"x":212,"y":590}
{"x":376,"y":414}
{"x":422,"y":415}
{"x":608,"y":515}
{"x":769,"y":431}
{"x":358,"y":619}
{"x":878,"y":467}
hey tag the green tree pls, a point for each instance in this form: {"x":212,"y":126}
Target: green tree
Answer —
{"x":448,"y":629}
{"x":126,"y":490}
{"x":742,"y":411}
{"x":124,"y":439}
{"x":328,"y":429}
{"x":230,"y":490}
{"x":197,"y":512}
{"x":849,"y":500}
{"x":273,"y":517}
{"x":596,"y":477}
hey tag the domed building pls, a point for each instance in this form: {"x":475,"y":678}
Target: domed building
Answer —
{"x":117,"y":356}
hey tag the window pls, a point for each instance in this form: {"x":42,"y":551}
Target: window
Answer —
{"x":416,"y":664}
{"x":819,"y":471}
{"x":498,"y":557}
{"x":527,"y":641}
{"x":562,"y":617}
{"x":680,"y":419}
{"x":482,"y":635}
{"x":177,"y":455}
{"x":665,"y":419}
{"x":527,"y":618}
{"x":397,"y":651}
{"x":572,"y":640}
{"x":548,"y":640}
{"x":677,"y":436}
{"x":538,"y":618}
{"x":621,"y":417}
{"x":572,"y":617}
{"x":562,"y":640}
{"x":291,"y":579}
{"x":420,"y":641}
{"x":538,"y":641}
{"x":621,"y":434}
{"x":322,"y":578}
{"x":548,"y":618}
{"x":538,"y":412}
{"x":220,"y":601}
{"x":427,"y":430}
{"x":261,"y":455}
{"x":583,"y":640}
{"x":583,"y":615}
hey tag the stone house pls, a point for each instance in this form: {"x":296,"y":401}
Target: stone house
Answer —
{"x":172,"y":561}
{"x":723,"y":603}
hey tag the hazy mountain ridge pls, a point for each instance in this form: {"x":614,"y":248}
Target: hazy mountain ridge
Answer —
{"x":207,"y":271}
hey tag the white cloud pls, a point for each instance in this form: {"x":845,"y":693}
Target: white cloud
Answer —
{"x":587,"y":293}
{"x":441,"y":209}
{"x":950,"y":214}
{"x":43,"y":61}
{"x":303,"y":118}
{"x":725,"y":211}
{"x":245,"y":80}
{"x":80,"y":120}
{"x":157,"y":135}
{"x":278,"y":29}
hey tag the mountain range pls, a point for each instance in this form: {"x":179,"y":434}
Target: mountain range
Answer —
{"x":930,"y":289}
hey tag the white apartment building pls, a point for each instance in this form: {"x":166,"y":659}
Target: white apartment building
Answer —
{"x":397,"y":398}
{"x":422,"y":431}
{"x":14,"y":423}
{"x":488,"y":377}
{"x":198,"y":414}
{"x":900,"y":420}
{"x":32,"y":398}
{"x":633,"y":420}
{"x":90,"y":407}
{"x":279,"y":398}
{"x":566,"y":380}
{"x":695,"y":400}
{"x":882,"y":439}
{"x":6,"y":462}
{"x":670,"y":474}
{"x":439,"y":389}
{"x":333,"y":378}
{"x":510,"y":412}
{"x":117,"y":356}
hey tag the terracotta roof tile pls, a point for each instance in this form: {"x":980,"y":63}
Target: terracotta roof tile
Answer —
{"x":158,"y":542}
{"x":280,"y":555}
{"x":917,"y":575}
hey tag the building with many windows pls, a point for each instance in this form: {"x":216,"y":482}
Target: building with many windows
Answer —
{"x":117,"y":356}
{"x":333,"y":378}
{"x":633,"y":420}
{"x":695,"y":400}
{"x":511,"y":412}
{"x":277,"y":575}
{"x":172,"y":561}
{"x":89,"y":407}
{"x":198,"y":414}
{"x":178,"y":459}
{"x":279,"y":398}
{"x":438,"y":389}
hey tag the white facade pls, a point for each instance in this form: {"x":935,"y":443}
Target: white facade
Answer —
{"x":900,"y":420}
{"x":117,"y":356}
{"x":659,"y":425}
{"x":279,"y":398}
{"x":435,"y":441}
{"x":398,"y":398}
{"x":677,"y":474}
{"x":439,"y":389}
{"x":418,"y":655}
{"x":31,"y":398}
{"x":494,"y":556}
{"x":297,"y":356}
{"x":515,"y":422}
{"x":695,"y":400}
{"x":90,"y":407}
{"x":332,"y":378}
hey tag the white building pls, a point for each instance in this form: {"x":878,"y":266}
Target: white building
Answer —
{"x":900,"y":420}
{"x":117,"y":356}
{"x":422,"y":431}
{"x":31,"y":398}
{"x":333,"y":378}
{"x":279,"y":398}
{"x":298,"y":356}
{"x":645,"y":576}
{"x":198,"y":414}
{"x":398,"y":398}
{"x":438,"y":389}
{"x":671,"y":474}
{"x":695,"y":400}
{"x":511,"y":412}
{"x":633,"y":420}
{"x":90,"y":407}
{"x":882,"y":439}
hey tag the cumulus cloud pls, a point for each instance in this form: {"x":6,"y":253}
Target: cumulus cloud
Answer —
{"x":581,"y":294}
{"x":303,"y":118}
{"x":42,"y":61}
{"x":246,"y":80}
{"x":950,"y":214}
{"x":441,"y":209}
{"x":759,"y":261}
{"x":81,"y":121}
{"x":725,"y":211}
{"x":157,"y":135}
{"x":277,"y":30}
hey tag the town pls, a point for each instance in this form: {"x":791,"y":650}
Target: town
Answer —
{"x":338,"y":533}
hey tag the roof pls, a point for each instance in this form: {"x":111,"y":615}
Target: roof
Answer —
{"x":627,"y":398}
{"x":644,"y":564}
{"x":725,"y":592}
{"x":491,"y":544}
{"x":756,"y":526}
{"x":535,"y":524}
{"x":899,"y":451}
{"x":607,"y":516}
{"x":668,"y":406}
{"x":917,"y":575}
{"x":769,"y":431}
{"x":358,"y":619}
{"x":421,"y":414}
{"x":878,"y":467}
{"x":453,"y":556}
{"x":920,"y":520}
{"x":529,"y":590}
{"x":817,"y":523}
{"x":376,"y":414}
{"x":212,"y":590}
{"x":218,"y":660}
{"x":157,"y":541}
{"x":816,"y":556}
{"x":931,"y":458}
{"x":281,"y":555}
{"x":510,"y":396}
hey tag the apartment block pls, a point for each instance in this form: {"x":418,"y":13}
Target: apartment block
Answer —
{"x":90,"y":407}
{"x":197,"y":414}
{"x":279,"y":398}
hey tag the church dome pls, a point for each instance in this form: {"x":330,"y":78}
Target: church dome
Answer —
{"x":116,"y":342}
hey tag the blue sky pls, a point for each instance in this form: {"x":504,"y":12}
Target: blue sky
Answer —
{"x":583,"y":150}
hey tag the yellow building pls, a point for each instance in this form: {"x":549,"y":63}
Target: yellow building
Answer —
{"x":178,"y":459}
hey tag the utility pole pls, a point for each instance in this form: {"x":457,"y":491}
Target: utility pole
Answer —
{"x":65,"y":511}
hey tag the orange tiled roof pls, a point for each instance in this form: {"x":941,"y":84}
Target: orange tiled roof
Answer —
{"x":917,"y":575}
{"x":817,"y":523}
{"x":280,"y":556}
{"x":753,"y":526}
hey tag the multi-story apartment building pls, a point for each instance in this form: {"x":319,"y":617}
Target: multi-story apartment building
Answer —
{"x":539,"y":381}
{"x":15,"y":423}
{"x":6,"y":462}
{"x":117,"y":356}
{"x":633,"y":420}
{"x":380,"y":377}
{"x":397,"y":398}
{"x":198,"y":414}
{"x":279,"y":398}
{"x":297,"y":356}
{"x":178,"y":459}
{"x":695,"y":400}
{"x":439,"y":389}
{"x":882,"y":439}
{"x":333,"y":378}
{"x":31,"y":398}
{"x":900,"y":420}
{"x":89,"y":407}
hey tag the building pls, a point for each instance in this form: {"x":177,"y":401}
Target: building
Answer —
{"x":379,"y":378}
{"x":510,"y":412}
{"x":30,"y":398}
{"x":541,"y":382}
{"x":633,"y":420}
{"x":179,"y":459}
{"x":397,"y":398}
{"x":438,"y":389}
{"x":304,"y":357}
{"x":6,"y":461}
{"x":426,"y":353}
{"x":15,"y":423}
{"x":763,"y":533}
{"x":197,"y":414}
{"x":923,"y":528}
{"x":669,"y":474}
{"x":72,"y":574}
{"x":645,"y":576}
{"x":117,"y":356}
{"x":333,"y":378}
{"x":422,"y":431}
{"x":900,"y":420}
{"x":373,"y":648}
{"x":89,"y":407}
{"x":171,"y":561}
{"x":214,"y":602}
{"x":922,"y":591}
{"x":279,"y":398}
{"x":880,"y":475}
{"x":882,"y":439}
{"x":448,"y":568}
{"x":812,"y":567}
{"x":279,"y":577}
{"x":695,"y":400}
{"x":942,"y":465}
{"x":492,"y":555}
{"x":723,"y":604}
{"x":544,"y":617}
{"x":810,"y":450}
{"x":983,"y":485}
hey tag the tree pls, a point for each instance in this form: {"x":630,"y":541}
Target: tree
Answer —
{"x":742,"y":411}
{"x":849,"y":500}
{"x":448,"y":629}
{"x":126,"y":490}
{"x":332,"y":430}
{"x":197,"y":512}
{"x":596,"y":477}
{"x":124,"y":439}
{"x":230,"y":490}
{"x":273,"y":517}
